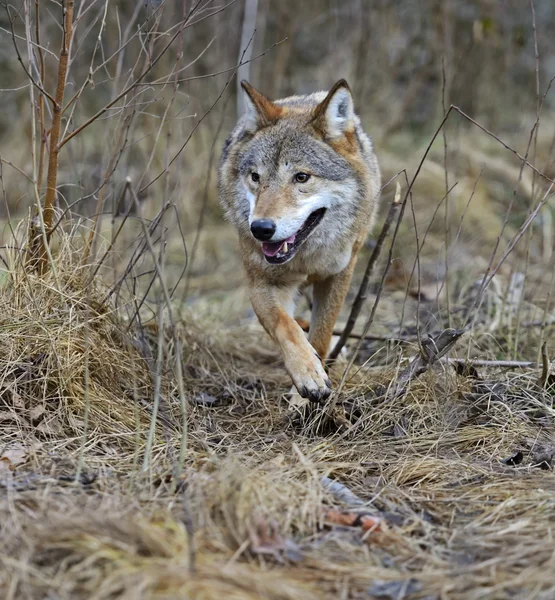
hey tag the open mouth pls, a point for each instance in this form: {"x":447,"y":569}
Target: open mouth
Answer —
{"x":277,"y":253}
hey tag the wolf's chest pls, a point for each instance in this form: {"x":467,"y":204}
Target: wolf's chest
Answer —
{"x":330,"y":261}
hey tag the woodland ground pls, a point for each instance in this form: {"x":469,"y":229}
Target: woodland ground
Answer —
{"x":147,"y":448}
{"x":457,"y":471}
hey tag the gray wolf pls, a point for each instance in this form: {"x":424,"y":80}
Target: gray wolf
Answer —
{"x":299,"y":179}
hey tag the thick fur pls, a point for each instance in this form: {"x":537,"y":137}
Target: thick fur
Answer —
{"x":320,"y":135}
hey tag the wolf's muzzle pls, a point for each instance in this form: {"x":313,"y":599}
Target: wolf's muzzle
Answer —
{"x":263,"y":229}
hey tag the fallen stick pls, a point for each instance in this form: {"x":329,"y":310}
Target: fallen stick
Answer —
{"x":354,"y":515}
{"x":341,"y":492}
{"x":504,"y":364}
{"x":431,"y":350}
{"x":379,"y":338}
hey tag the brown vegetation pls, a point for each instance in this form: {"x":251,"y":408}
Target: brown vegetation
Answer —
{"x":147,"y":447}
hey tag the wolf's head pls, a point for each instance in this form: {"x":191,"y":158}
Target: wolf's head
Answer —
{"x":300,"y":164}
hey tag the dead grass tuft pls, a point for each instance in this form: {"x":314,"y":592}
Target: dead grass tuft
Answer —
{"x":68,"y":371}
{"x":455,"y":476}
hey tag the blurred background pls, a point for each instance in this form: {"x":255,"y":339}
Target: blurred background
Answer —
{"x":406,"y":62}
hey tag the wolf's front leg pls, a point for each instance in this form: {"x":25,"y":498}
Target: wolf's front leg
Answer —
{"x":301,"y":361}
{"x":327,"y":299}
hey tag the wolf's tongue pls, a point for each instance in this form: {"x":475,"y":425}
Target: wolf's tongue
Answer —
{"x":272,"y":248}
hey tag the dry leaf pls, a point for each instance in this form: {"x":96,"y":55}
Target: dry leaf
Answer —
{"x":366,"y":521}
{"x":12,"y":457}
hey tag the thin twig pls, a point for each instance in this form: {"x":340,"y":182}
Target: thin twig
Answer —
{"x":533,"y":141}
{"x":137,"y":254}
{"x":370,"y":319}
{"x":196,"y":126}
{"x":506,"y":146}
{"x":524,"y":228}
{"x":120,"y":51}
{"x":248,"y":31}
{"x":119,"y":147}
{"x":157,"y":391}
{"x":379,"y":338}
{"x":205,"y":197}
{"x":119,"y":96}
{"x":545,"y":366}
{"x":176,"y":340}
{"x":114,"y":237}
{"x":362,"y":293}
{"x":445,"y":95}
{"x":21,"y":171}
{"x":20,"y":59}
{"x":159,"y":82}
{"x":488,"y":276}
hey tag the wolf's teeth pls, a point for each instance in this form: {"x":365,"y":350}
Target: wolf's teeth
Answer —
{"x":284,"y":248}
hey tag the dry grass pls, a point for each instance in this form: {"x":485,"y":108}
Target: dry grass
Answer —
{"x":459,"y":470}
{"x":69,"y":370}
{"x":104,"y":493}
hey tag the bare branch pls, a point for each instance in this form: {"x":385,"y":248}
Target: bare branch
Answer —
{"x":20,"y":59}
{"x":506,"y":146}
{"x":21,"y":171}
{"x":197,"y":124}
{"x":119,"y":96}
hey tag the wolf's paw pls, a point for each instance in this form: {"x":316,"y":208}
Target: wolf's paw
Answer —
{"x":310,"y":379}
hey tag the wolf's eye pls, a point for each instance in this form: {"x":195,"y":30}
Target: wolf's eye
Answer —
{"x":255,"y":177}
{"x":301,"y":178}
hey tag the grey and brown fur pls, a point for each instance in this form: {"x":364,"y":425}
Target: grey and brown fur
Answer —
{"x":317,"y":135}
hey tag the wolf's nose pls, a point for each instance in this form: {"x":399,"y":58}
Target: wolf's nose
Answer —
{"x":263,"y":229}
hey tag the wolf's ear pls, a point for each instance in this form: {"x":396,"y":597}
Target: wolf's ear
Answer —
{"x":260,"y":111}
{"x":334,"y":116}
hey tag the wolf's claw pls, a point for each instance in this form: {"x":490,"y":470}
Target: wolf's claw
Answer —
{"x":315,"y":396}
{"x":310,"y":379}
{"x":318,"y":395}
